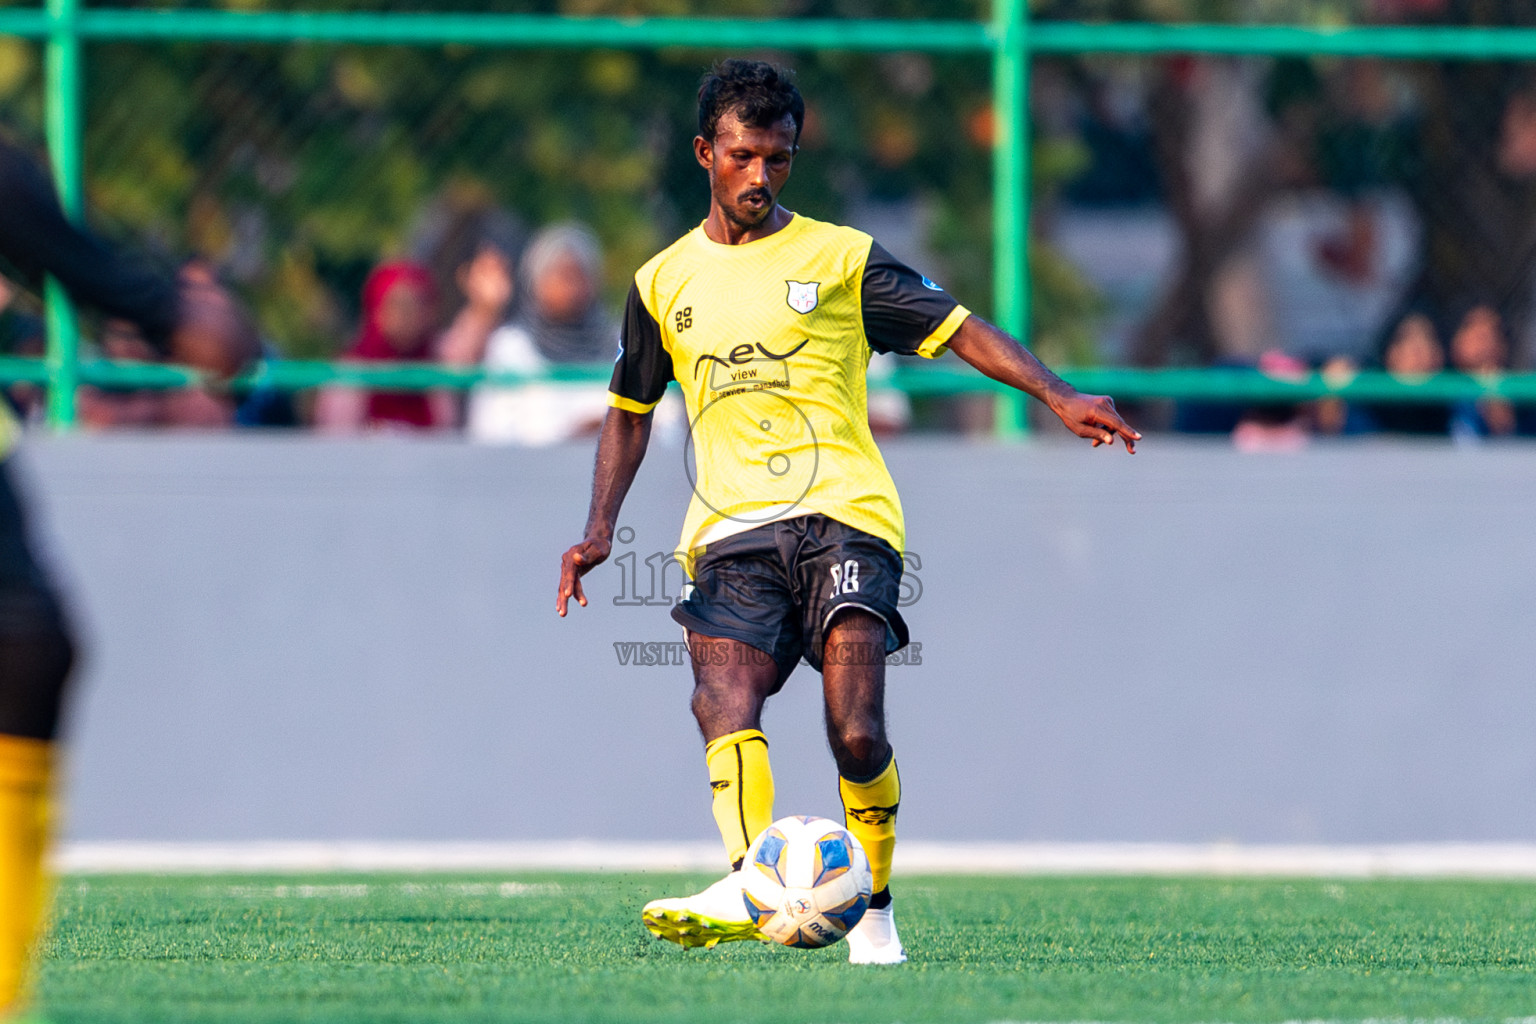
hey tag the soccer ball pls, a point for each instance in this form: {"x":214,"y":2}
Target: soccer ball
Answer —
{"x":806,"y":882}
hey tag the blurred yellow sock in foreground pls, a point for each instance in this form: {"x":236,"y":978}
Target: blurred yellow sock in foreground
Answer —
{"x":26,"y":770}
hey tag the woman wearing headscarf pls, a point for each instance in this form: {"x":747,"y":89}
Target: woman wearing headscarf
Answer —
{"x":559,"y":322}
{"x":399,"y":317}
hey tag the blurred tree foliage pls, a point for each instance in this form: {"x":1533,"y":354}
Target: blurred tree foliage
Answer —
{"x":297,"y":167}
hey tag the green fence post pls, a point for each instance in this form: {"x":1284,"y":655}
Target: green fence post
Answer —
{"x":62,"y":68}
{"x":1010,"y":192}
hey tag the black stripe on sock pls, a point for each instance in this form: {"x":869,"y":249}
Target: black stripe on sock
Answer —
{"x":881,"y":899}
{"x":741,"y":796}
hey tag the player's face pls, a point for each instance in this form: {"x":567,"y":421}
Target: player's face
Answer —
{"x":747,"y":167}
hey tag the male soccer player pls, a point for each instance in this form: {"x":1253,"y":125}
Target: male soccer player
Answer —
{"x":194,"y":323}
{"x":767,"y":320}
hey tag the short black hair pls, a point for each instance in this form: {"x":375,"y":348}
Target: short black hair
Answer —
{"x":755,"y":91}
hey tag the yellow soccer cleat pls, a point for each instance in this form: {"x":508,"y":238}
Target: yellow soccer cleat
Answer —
{"x":716,"y":915}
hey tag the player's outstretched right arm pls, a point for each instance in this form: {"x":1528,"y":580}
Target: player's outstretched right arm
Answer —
{"x":620,"y":451}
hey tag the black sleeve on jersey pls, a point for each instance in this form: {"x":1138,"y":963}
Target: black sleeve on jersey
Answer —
{"x":36,"y":238}
{"x":644,"y":367}
{"x":900,"y":310}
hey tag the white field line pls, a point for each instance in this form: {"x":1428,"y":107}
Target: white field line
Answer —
{"x":356,"y":890}
{"x":1408,"y":860}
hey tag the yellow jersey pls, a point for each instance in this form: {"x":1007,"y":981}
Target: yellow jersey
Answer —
{"x":770,"y":341}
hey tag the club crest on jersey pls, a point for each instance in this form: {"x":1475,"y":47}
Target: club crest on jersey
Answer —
{"x":802,"y":295}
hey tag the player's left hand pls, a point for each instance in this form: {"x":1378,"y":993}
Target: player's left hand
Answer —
{"x":1093,"y":417}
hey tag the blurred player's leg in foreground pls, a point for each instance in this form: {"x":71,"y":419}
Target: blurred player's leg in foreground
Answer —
{"x":192,"y":322}
{"x":35,"y":658}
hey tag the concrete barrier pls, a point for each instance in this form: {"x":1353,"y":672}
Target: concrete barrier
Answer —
{"x":301,"y":639}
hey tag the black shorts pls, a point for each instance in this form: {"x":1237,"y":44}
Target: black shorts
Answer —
{"x":777,"y":587}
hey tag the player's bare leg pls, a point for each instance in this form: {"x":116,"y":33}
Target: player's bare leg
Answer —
{"x":731,"y":682}
{"x":853,"y":684}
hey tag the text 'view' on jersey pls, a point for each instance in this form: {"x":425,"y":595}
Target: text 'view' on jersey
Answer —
{"x":770,"y":341}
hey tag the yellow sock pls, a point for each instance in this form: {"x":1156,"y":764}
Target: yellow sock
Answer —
{"x":743,"y":788}
{"x":26,"y":768}
{"x":869,"y":811}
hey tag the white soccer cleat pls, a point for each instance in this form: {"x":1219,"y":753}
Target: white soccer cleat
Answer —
{"x":716,"y":915}
{"x":874,"y":940}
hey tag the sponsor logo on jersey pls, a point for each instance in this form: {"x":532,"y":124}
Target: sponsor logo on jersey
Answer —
{"x":802,"y":295}
{"x":931,"y":286}
{"x":747,"y":368}
{"x":744,"y":354}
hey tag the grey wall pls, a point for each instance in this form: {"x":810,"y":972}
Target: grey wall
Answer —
{"x":296,"y":638}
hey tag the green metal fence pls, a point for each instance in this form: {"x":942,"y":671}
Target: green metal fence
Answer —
{"x":1009,"y":40}
{"x":1211,"y":384}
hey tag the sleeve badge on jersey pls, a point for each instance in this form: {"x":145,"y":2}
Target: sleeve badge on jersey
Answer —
{"x":802,"y":295}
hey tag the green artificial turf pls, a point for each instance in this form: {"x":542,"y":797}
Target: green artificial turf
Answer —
{"x":529,"y":947}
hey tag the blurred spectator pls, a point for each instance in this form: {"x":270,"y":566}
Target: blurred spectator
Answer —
{"x":1274,"y":426}
{"x":197,"y":408}
{"x":265,"y":406}
{"x":890,"y":410}
{"x":110,"y":408}
{"x":399,"y":325}
{"x":1335,"y":415}
{"x":1210,"y":415}
{"x":1473,"y":187}
{"x":1413,"y":354}
{"x":399,"y":304}
{"x":1479,"y":349}
{"x":453,"y":230}
{"x":558,"y":323}
{"x":104,"y":408}
{"x":260,"y":406}
{"x":487,"y":283}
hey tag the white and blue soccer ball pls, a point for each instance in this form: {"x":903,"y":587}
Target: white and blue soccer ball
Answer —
{"x":806,"y":882}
